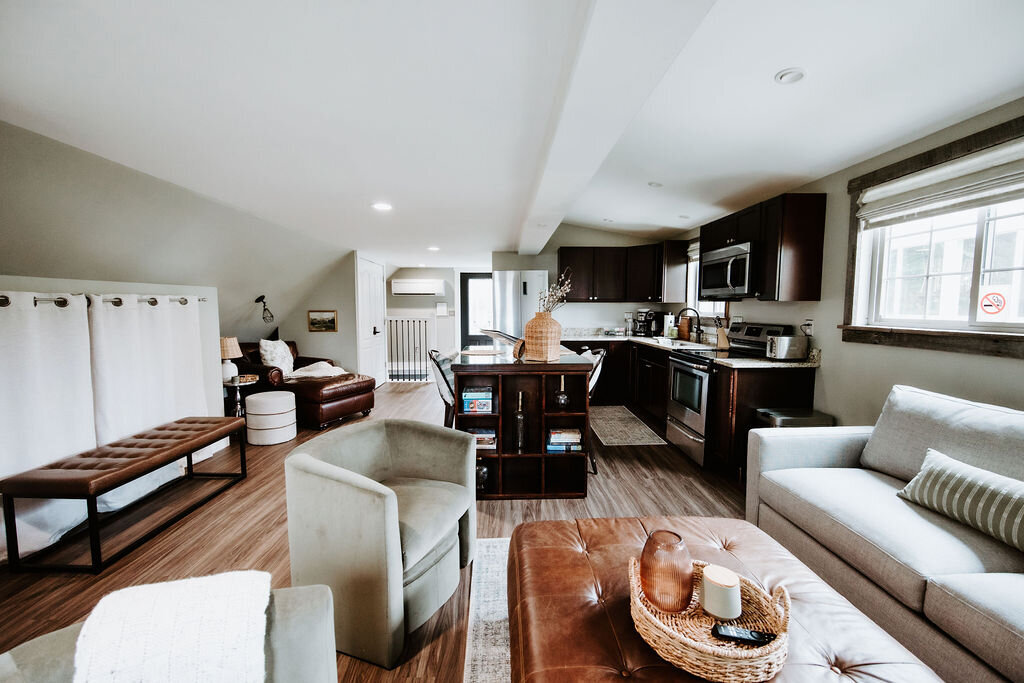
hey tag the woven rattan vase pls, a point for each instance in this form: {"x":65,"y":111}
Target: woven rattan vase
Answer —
{"x":543,"y":337}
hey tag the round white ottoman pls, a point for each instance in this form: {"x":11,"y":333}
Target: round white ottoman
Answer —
{"x":270,"y":417}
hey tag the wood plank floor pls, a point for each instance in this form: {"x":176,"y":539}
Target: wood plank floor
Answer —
{"x":245,"y":528}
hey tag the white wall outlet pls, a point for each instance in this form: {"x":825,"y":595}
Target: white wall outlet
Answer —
{"x":808,"y":327}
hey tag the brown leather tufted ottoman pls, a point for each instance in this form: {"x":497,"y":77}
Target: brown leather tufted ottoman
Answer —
{"x":320,"y":401}
{"x":568,"y":600}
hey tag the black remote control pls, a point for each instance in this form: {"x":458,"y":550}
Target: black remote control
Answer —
{"x":741,"y":635}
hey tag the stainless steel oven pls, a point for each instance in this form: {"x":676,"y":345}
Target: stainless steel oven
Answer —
{"x":726,"y":273}
{"x":687,"y":404}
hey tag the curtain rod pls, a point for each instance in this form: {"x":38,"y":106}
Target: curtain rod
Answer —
{"x":62,"y":302}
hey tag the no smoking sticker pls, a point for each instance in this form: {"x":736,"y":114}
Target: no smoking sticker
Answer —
{"x":993,"y":303}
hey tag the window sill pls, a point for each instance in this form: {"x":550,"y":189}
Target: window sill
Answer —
{"x":1005,"y":344}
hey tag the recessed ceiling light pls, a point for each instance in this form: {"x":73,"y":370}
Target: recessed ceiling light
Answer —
{"x":381,"y":206}
{"x":433,"y":248}
{"x":683,"y":216}
{"x":542,"y":225}
{"x":607,"y":220}
{"x":654,"y":184}
{"x":789,"y":76}
{"x":422,"y":265}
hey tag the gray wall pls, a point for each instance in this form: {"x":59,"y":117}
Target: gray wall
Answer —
{"x":568,"y":235}
{"x":65,"y":213}
{"x":855,"y":378}
{"x":335,"y":291}
{"x":445,"y":330}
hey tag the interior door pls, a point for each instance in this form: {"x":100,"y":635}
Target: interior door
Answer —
{"x":373,"y":350}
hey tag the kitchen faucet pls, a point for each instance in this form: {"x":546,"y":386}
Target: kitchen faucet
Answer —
{"x":697,"y":328}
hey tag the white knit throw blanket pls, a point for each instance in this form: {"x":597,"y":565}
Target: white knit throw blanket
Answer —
{"x":318,"y":369}
{"x":208,"y":629}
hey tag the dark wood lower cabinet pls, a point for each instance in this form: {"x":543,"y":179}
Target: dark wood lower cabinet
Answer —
{"x":613,"y":384}
{"x":733,"y":400}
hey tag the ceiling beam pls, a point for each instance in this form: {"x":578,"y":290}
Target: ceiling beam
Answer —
{"x":624,"y":52}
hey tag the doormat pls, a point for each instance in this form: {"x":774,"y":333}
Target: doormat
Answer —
{"x":487,"y":645}
{"x":616,"y":426}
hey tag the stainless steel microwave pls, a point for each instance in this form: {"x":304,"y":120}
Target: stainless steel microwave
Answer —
{"x":726,"y":273}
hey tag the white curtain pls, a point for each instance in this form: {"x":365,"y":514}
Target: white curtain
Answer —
{"x":147,"y":370}
{"x":46,"y":403}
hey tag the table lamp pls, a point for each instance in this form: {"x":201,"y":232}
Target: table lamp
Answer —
{"x":229,"y":349}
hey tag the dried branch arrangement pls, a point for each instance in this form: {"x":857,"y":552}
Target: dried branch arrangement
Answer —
{"x":554,"y":296}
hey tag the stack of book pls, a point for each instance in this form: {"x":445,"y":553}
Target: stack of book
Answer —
{"x":564,"y":440}
{"x":485,"y":438}
{"x":477,"y":400}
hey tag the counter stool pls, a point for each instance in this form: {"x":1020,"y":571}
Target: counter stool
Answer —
{"x":270,"y":417}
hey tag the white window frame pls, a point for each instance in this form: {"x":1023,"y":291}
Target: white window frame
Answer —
{"x":717,"y":308}
{"x":875,"y":264}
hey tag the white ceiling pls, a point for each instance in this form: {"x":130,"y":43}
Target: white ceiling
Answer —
{"x":720,"y":134}
{"x":484,"y":123}
{"x":306,"y":113}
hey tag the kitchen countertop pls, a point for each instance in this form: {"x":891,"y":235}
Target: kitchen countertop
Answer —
{"x":737,"y":363}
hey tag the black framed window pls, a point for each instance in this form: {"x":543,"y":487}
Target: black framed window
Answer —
{"x":477,"y":306}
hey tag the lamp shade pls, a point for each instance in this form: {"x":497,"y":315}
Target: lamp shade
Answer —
{"x":229,"y":348}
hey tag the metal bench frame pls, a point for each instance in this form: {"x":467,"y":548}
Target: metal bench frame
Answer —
{"x":94,"y":522}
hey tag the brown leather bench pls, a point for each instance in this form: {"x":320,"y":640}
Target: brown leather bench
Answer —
{"x":95,"y":472}
{"x":568,"y":605}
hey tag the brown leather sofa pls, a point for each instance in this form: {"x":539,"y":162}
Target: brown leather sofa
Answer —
{"x":319,"y":401}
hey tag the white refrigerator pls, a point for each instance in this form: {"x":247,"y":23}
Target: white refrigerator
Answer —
{"x":516,"y":295}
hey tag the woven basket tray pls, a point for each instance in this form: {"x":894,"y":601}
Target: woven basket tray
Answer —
{"x":685,"y":639}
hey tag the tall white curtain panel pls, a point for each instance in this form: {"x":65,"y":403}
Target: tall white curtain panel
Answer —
{"x":46,"y":401}
{"x":147,"y":370}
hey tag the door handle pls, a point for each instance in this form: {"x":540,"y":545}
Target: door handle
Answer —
{"x":375,"y":330}
{"x":728,"y":272}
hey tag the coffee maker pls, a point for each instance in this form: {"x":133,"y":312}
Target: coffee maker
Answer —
{"x":645,"y":323}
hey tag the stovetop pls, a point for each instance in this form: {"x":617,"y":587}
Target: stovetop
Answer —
{"x":747,"y":340}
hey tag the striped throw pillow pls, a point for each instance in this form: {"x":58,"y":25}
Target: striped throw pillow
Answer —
{"x":989,"y":502}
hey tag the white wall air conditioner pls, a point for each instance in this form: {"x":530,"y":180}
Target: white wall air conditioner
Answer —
{"x":417,"y":287}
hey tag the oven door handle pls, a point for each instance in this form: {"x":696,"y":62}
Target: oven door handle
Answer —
{"x":692,"y":366}
{"x":686,"y":432}
{"x":728,"y":272}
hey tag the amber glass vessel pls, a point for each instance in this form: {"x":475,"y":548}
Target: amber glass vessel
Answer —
{"x":666,"y":571}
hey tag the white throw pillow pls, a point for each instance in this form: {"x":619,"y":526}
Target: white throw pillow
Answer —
{"x":276,"y":354}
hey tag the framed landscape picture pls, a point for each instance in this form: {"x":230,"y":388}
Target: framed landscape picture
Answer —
{"x":322,"y":321}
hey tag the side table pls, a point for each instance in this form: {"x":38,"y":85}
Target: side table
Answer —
{"x":237,"y":386}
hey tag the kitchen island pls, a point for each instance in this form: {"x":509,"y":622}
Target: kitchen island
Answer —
{"x":510,"y":465}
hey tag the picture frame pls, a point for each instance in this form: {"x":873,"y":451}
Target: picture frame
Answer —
{"x":322,"y":321}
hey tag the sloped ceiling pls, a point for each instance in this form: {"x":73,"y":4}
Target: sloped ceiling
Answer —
{"x":65,"y":213}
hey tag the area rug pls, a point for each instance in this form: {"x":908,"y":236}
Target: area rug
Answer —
{"x":616,"y":426}
{"x":487,"y":645}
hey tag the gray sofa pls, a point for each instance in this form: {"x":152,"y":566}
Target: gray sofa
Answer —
{"x":952,"y":595}
{"x":299,"y":644}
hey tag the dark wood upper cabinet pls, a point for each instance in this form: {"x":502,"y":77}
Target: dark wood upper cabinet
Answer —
{"x":580,"y":263}
{"x":609,"y":274}
{"x":787,"y":235}
{"x":644,"y":272}
{"x":792,"y":240}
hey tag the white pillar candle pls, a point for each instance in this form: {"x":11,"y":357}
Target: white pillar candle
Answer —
{"x":720,"y":593}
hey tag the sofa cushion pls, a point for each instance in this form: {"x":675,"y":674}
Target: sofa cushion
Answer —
{"x":276,"y":354}
{"x":427,"y":512}
{"x":914,"y":420}
{"x":988,"y":502}
{"x":856,"y":514}
{"x":984,"y":612}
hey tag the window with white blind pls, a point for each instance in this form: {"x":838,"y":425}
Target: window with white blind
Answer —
{"x":708,"y":309}
{"x":944,"y":248}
